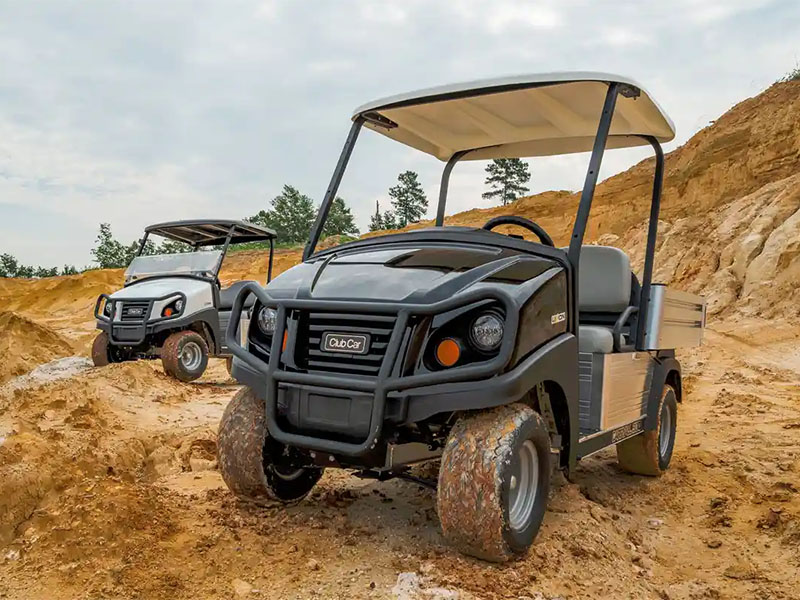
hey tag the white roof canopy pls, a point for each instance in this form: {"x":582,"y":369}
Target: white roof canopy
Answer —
{"x":528,"y":115}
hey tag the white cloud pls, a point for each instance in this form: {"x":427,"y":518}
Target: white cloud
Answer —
{"x":129,"y":112}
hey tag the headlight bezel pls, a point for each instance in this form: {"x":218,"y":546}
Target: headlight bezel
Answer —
{"x":474,"y":337}
{"x":260,"y":321}
{"x":458,"y":327}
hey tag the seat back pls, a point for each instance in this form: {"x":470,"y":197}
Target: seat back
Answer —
{"x":604,"y":280}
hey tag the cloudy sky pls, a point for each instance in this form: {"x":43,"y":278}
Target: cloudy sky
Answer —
{"x":134,"y":112}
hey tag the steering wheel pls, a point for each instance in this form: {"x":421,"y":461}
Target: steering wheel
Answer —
{"x":521,"y":222}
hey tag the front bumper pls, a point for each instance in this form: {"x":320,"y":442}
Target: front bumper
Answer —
{"x":133,"y":332}
{"x":369,"y":403}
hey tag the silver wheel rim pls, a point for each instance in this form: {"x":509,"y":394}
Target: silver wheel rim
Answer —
{"x":523,"y":486}
{"x":191,"y":356}
{"x":665,"y":433}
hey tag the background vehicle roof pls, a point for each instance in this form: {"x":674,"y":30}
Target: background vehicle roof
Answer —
{"x":525,"y":115}
{"x":211,"y":232}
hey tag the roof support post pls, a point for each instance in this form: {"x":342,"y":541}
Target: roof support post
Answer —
{"x":589,"y":184}
{"x":650,"y":251}
{"x":271,"y":254}
{"x":224,"y":250}
{"x":143,"y":243}
{"x":443,"y":186}
{"x":333,"y":187}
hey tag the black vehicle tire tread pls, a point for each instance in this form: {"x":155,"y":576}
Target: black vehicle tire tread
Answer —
{"x":241,"y":442}
{"x":640,"y":454}
{"x":470,"y":500}
{"x":100,"y":356}
{"x":171,"y":353}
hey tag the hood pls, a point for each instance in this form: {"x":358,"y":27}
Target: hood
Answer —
{"x":158,"y":288}
{"x":375,"y":273}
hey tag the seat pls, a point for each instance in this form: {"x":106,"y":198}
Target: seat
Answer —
{"x":228,"y":295}
{"x":596,"y":339}
{"x":604,"y":292}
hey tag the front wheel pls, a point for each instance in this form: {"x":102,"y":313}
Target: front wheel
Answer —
{"x":494,"y":482}
{"x":650,"y":452}
{"x":255,"y":467}
{"x":185,"y":355}
{"x":105,"y":353}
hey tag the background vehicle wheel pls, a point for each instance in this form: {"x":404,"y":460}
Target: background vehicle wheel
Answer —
{"x":100,"y":356}
{"x":185,"y":355}
{"x":649,"y":453}
{"x":247,"y":456}
{"x":104,"y":353}
{"x":494,"y":482}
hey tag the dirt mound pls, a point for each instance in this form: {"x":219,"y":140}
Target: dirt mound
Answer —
{"x":24,"y":344}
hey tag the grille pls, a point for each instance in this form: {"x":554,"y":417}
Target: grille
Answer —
{"x":134,"y":312}
{"x":378,"y":327}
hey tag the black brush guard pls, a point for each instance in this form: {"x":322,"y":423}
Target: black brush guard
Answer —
{"x":384,"y":382}
{"x":140,"y":328}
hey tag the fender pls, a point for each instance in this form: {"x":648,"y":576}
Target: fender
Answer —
{"x":664,"y":366}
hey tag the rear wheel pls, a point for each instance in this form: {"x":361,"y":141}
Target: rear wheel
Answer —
{"x":650,"y":452}
{"x":185,"y":355}
{"x":494,"y":482}
{"x":254,"y":466}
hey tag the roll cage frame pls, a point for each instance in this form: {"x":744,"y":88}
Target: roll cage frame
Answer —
{"x":584,"y":206}
{"x":229,"y":232}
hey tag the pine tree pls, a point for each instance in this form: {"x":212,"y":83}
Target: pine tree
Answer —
{"x":376,"y":223}
{"x":390,"y":221}
{"x":291,"y":215}
{"x":340,"y":220}
{"x":408,"y":199}
{"x":507,"y":178}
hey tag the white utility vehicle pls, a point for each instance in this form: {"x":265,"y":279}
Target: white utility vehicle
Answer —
{"x":172,"y":305}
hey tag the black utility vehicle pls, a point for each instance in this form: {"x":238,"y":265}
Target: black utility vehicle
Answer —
{"x":500,"y":356}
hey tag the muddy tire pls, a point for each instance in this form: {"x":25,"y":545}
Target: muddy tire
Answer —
{"x":185,"y":355}
{"x":494,"y":482}
{"x":100,"y":355}
{"x":247,"y":457}
{"x":229,"y":365}
{"x":649,"y":453}
{"x":105,"y":353}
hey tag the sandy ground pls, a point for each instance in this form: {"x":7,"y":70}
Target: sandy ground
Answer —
{"x":112,"y":476}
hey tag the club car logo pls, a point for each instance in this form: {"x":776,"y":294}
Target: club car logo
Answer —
{"x":558,"y":318}
{"x":345,"y":342}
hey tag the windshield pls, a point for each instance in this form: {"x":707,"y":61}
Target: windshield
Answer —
{"x":202,"y":264}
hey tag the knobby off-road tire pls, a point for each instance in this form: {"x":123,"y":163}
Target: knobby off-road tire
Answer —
{"x":185,"y":355}
{"x":494,"y":482}
{"x":246,"y":456}
{"x":104,"y":353}
{"x":649,"y":453}
{"x":100,"y":355}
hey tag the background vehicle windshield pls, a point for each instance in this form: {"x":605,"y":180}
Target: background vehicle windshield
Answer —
{"x":202,"y":264}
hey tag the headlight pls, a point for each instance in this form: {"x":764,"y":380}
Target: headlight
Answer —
{"x":107,"y":308}
{"x":179,"y":305}
{"x":267,"y":320}
{"x":486,"y":332}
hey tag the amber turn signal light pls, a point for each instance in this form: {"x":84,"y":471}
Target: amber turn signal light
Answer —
{"x":285,"y":338}
{"x":448,"y":352}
